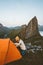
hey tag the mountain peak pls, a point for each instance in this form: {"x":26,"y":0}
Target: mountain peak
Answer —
{"x":1,"y":25}
{"x":35,"y":17}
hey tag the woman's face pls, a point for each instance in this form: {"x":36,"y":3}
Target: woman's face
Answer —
{"x":17,"y":40}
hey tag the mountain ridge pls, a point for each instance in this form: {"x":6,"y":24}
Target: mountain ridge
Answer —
{"x":18,"y":27}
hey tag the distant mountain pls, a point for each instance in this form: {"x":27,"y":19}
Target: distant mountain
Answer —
{"x":17,"y":27}
{"x":3,"y":30}
{"x":40,"y":27}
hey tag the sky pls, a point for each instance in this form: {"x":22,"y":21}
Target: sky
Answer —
{"x":19,"y":12}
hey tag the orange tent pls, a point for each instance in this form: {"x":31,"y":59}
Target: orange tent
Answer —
{"x":8,"y":52}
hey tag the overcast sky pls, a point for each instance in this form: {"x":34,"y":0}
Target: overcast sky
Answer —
{"x":18,"y":12}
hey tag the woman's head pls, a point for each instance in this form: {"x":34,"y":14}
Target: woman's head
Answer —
{"x":17,"y":38}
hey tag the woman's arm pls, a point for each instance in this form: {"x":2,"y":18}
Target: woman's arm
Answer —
{"x":17,"y":44}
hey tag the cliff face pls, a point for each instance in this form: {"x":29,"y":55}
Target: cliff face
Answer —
{"x":31,"y":29}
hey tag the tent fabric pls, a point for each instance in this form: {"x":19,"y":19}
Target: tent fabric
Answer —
{"x":8,"y":52}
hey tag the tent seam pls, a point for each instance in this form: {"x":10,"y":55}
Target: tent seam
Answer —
{"x":7,"y":51}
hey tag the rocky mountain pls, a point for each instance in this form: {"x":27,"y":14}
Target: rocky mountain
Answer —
{"x":30,"y":30}
{"x":3,"y":30}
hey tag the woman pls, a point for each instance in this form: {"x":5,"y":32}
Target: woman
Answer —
{"x":21,"y":45}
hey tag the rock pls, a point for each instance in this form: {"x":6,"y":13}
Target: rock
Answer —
{"x":24,"y":26}
{"x":22,"y":32}
{"x":30,"y":30}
